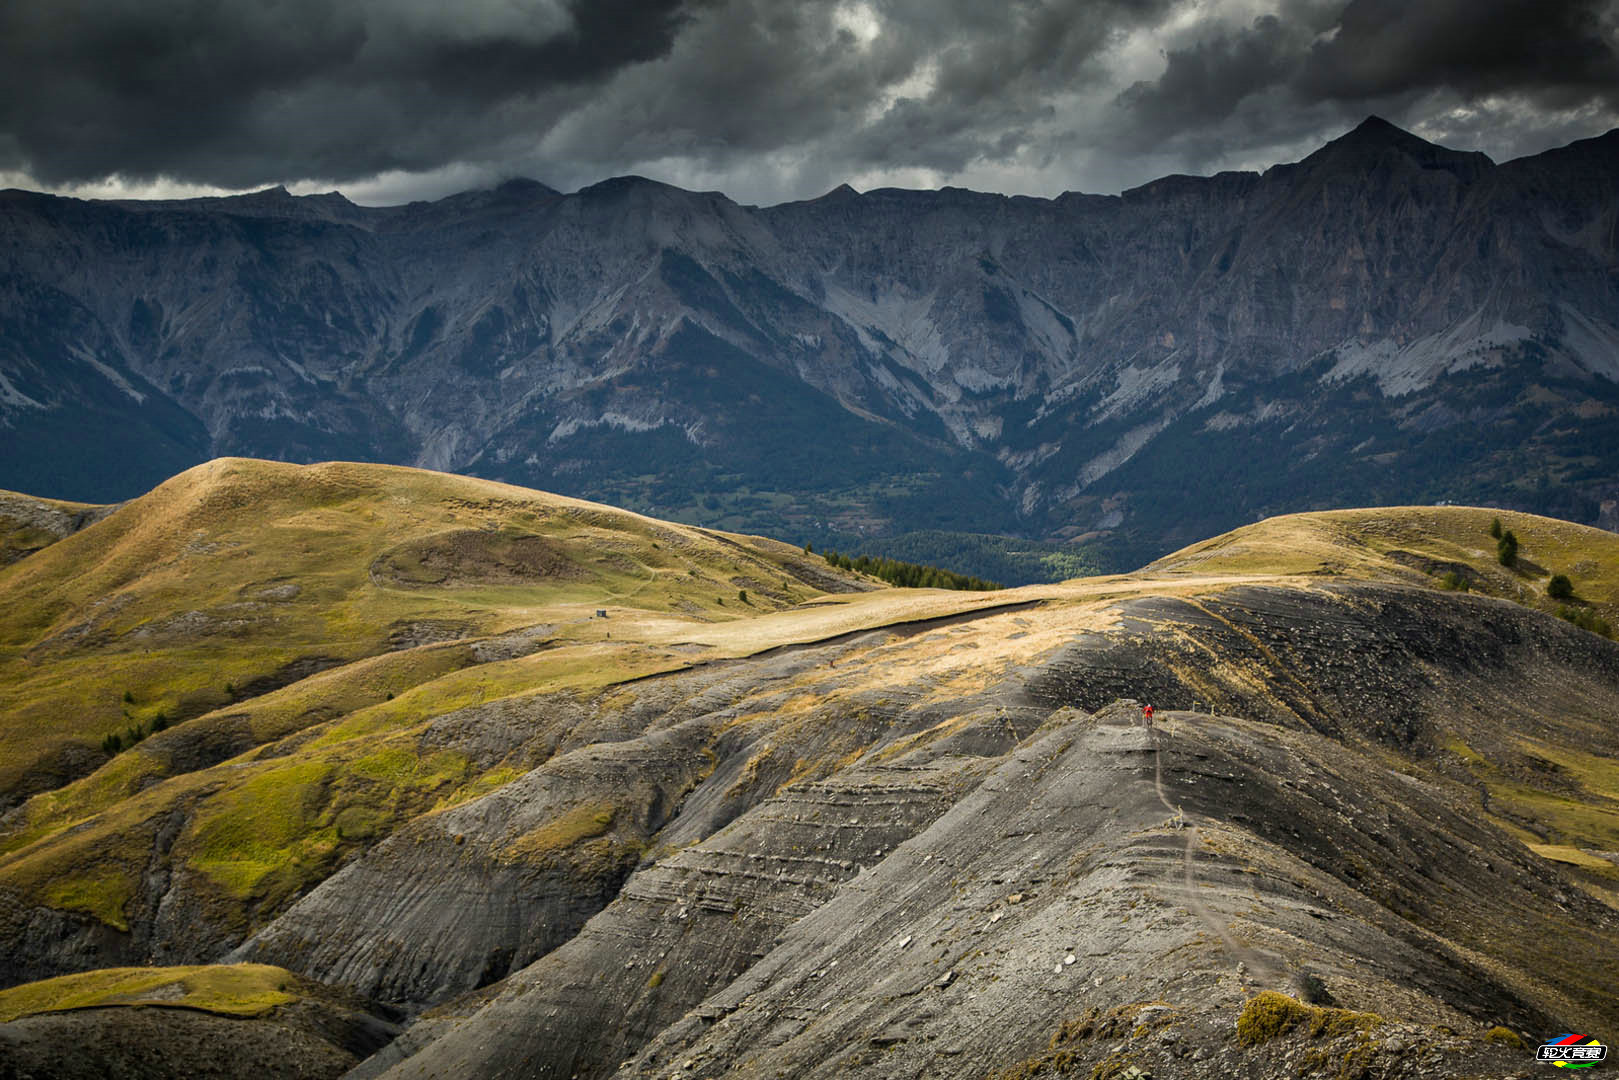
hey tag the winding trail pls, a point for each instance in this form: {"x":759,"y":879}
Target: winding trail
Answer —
{"x":1257,"y":966}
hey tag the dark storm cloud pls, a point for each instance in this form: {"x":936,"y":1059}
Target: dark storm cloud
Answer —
{"x":1205,"y":81}
{"x":242,"y":92}
{"x":1503,"y":70}
{"x":1564,"y":49}
{"x":763,"y":75}
{"x":235,"y":92}
{"x":770,"y":99}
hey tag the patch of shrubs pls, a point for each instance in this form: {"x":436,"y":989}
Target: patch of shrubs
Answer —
{"x":1585,"y":619}
{"x":117,"y":742}
{"x":1454,"y":582}
{"x":1560,"y":587}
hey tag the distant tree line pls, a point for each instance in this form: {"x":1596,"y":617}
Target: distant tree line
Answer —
{"x":1009,"y":560}
{"x":907,"y":575}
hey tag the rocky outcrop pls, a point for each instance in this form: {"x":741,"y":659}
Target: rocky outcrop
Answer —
{"x":1061,"y":886}
{"x":524,"y":868}
{"x":28,"y":525}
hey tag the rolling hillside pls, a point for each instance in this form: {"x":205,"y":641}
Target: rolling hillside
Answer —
{"x":831,"y":829}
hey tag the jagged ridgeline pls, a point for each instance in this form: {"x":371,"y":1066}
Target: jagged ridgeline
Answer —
{"x":1385,"y":321}
{"x":460,"y":779}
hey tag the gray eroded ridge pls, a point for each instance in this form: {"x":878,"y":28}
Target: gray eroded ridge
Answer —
{"x":823,"y":862}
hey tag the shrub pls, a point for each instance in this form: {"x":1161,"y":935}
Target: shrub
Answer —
{"x":1501,"y":1036}
{"x":1453,"y":581}
{"x":159,"y":722}
{"x":742,"y":595}
{"x":1560,"y":587}
{"x":1269,"y":1014}
{"x":111,"y":744}
{"x":129,"y":699}
{"x":1586,"y":619}
{"x":1506,"y":549}
{"x":1495,"y":528}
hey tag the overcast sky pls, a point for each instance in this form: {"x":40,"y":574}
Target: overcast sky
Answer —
{"x":768,"y":100}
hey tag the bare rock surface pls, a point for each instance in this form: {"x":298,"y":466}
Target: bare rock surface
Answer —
{"x":1025,"y":871}
{"x":1057,"y":886}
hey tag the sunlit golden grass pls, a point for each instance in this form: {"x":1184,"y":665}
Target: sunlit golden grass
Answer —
{"x":235,"y":569}
{"x":584,"y":822}
{"x":230,"y":990}
{"x":1365,"y":544}
{"x":1562,"y":826}
{"x":1565,"y":853}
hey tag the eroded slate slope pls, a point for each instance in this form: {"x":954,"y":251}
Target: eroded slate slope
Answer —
{"x":1332,"y":848}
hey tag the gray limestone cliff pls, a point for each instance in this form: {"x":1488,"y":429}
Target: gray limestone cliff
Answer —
{"x":1384,"y":321}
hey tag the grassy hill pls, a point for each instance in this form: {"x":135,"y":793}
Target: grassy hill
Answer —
{"x":1451,"y":547}
{"x":1429,"y":540}
{"x":238,"y":576}
{"x":184,"y":1021}
{"x":246,"y":602}
{"x":240,"y":990}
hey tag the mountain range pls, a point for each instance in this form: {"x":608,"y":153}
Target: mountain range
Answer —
{"x":1384,"y":321}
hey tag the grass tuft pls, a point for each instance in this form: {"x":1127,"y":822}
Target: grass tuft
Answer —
{"x":578,"y":825}
{"x":1270,"y":1015}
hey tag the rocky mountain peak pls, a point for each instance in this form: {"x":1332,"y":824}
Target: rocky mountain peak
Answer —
{"x":525,"y":187}
{"x":628,"y":187}
{"x":841,"y":193}
{"x":1376,"y":143}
